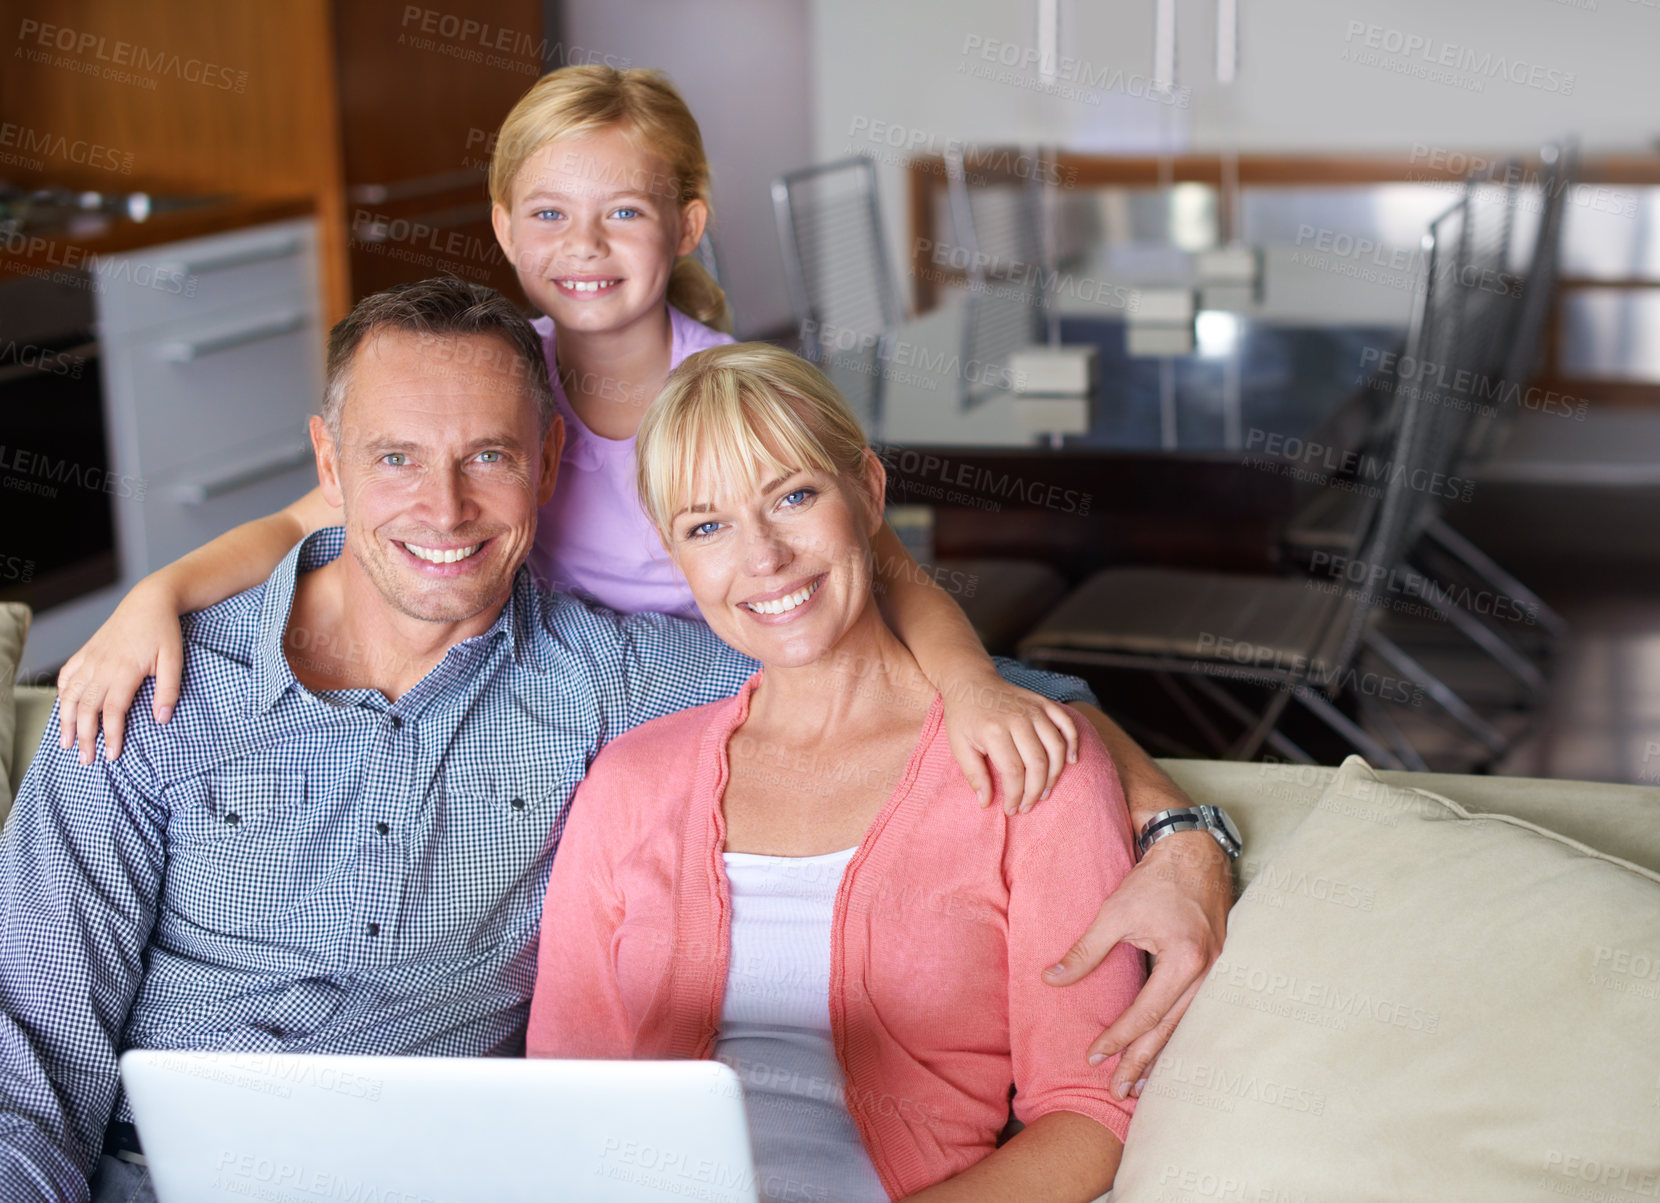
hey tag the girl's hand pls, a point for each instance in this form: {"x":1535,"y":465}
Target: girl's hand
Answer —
{"x":139,"y":640}
{"x":1025,"y":737}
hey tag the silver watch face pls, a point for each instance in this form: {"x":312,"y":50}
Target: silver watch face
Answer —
{"x":1221,"y":820}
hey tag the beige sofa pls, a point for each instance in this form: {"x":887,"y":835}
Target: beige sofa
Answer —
{"x":1389,"y":1019}
{"x":34,"y":707}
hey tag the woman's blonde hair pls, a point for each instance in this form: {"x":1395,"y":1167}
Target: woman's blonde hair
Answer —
{"x":573,"y":102}
{"x":729,"y":414}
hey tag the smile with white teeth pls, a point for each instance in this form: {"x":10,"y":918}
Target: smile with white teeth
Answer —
{"x":589,"y":285}
{"x":433,"y":555}
{"x":783,"y":605}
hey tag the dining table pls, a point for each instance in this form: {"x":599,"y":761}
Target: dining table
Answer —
{"x":1196,"y":458}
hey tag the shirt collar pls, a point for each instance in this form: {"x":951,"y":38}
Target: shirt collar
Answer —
{"x":272,"y":676}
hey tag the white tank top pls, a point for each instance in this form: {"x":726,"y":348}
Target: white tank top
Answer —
{"x":775,"y":1030}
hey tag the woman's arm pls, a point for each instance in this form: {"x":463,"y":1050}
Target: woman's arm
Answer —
{"x":1027,"y":738}
{"x":577,"y":1008}
{"x":1059,"y":1156}
{"x":1060,"y":862}
{"x":142,"y":638}
{"x":1174,"y":904}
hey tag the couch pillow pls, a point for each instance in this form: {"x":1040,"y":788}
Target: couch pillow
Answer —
{"x":1416,"y":1002}
{"x":14,"y":627}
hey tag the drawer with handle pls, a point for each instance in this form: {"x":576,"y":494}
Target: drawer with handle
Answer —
{"x":182,"y":401}
{"x":198,"y":503}
{"x":185,"y":281}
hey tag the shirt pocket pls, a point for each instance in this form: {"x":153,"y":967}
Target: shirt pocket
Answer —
{"x":240,"y":858}
{"x":496,"y":851}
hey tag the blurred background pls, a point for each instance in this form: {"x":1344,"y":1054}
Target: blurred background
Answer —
{"x":1287,"y":368}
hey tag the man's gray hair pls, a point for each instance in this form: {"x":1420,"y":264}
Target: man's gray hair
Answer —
{"x":439,"y":310}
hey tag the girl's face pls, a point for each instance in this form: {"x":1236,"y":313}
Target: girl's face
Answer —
{"x":784,"y":573}
{"x":593,"y":231}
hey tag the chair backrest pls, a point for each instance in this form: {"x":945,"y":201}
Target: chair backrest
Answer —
{"x":1404,"y":476}
{"x":1461,"y":377}
{"x":998,"y":225}
{"x":835,"y":252}
{"x":1544,"y":190}
{"x":841,"y":280}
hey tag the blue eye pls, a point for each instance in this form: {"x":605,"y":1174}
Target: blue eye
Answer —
{"x":626,"y":212}
{"x":702,"y":530}
{"x":490,"y":457}
{"x":547,"y":214}
{"x":395,"y":459}
{"x":805,"y":495}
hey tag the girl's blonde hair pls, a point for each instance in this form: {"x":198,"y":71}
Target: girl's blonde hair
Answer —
{"x":729,"y":414}
{"x":573,"y":102}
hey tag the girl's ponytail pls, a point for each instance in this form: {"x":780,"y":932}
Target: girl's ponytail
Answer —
{"x":693,"y":291}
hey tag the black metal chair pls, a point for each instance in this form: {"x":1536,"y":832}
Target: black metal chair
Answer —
{"x":1290,"y":635}
{"x":998,"y":227}
{"x":841,"y":280}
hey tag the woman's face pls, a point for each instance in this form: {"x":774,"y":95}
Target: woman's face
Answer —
{"x":783,"y":573}
{"x":593,"y":231}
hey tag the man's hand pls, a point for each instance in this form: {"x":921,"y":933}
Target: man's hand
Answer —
{"x":1174,"y":905}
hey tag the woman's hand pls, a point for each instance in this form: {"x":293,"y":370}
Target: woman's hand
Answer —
{"x":139,"y":640}
{"x":1024,"y":737}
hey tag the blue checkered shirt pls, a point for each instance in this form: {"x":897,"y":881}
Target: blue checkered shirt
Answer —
{"x":284,"y":870}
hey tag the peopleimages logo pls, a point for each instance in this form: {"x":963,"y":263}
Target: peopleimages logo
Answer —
{"x":43,"y":475}
{"x":42,"y":359}
{"x":82,"y":153}
{"x":1366,"y":470}
{"x":1000,"y":161}
{"x":913,"y":466}
{"x":94,"y":54}
{"x":1427,"y":52}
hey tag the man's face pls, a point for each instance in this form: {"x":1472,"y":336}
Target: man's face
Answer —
{"x":440,"y":469}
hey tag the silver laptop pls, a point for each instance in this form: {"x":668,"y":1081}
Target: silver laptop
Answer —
{"x":311,"y":1129}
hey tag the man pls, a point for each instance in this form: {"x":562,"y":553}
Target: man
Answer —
{"x":341,"y":841}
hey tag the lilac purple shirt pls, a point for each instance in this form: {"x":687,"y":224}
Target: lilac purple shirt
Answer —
{"x":593,"y":537}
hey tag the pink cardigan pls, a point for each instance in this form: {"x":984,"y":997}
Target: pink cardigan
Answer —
{"x":945,"y":919}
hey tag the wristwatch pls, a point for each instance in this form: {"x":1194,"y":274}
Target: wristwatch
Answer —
{"x":1191,"y":818}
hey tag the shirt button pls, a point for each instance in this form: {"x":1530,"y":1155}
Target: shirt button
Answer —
{"x":397,"y":723}
{"x":381,"y":829}
{"x":233,"y":818}
{"x":518,"y":803}
{"x":374,"y":929}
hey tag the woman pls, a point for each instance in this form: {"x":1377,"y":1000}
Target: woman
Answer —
{"x":810,"y":893}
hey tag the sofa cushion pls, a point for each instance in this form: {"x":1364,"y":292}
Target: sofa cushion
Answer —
{"x":14,"y":628}
{"x":1416,"y":1002}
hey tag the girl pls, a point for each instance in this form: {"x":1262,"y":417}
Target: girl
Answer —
{"x":600,"y":187}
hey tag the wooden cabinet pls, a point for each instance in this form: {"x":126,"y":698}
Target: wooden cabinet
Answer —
{"x":422,"y":92}
{"x":380,"y":112}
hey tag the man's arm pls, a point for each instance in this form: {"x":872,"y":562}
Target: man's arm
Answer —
{"x":81,"y":861}
{"x":668,"y":664}
{"x":1174,"y":904}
